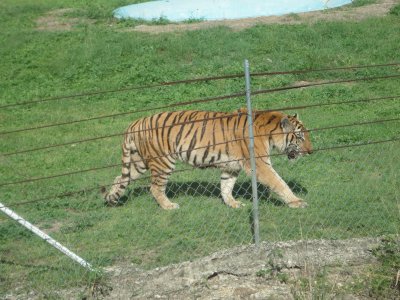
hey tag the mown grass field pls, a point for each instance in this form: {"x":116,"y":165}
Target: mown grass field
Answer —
{"x":351,"y":192}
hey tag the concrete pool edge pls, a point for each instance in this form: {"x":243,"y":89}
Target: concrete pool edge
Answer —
{"x":379,"y":9}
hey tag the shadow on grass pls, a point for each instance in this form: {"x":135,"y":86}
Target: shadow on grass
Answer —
{"x":38,"y":267}
{"x":241,"y":190}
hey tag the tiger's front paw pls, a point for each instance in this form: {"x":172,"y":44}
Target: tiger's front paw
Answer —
{"x":235,"y":204}
{"x":170,"y":206}
{"x":298,"y":204}
{"x":111,"y":203}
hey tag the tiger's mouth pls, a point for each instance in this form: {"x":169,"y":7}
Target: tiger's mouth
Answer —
{"x":292,"y":152}
{"x":292,"y":155}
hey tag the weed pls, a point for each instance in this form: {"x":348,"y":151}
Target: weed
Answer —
{"x":395,"y":10}
{"x":264,"y":273}
{"x":315,"y":285}
{"x":357,"y":3}
{"x":384,"y":279}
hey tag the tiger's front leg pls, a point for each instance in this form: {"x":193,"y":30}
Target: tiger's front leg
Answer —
{"x":269,"y":177}
{"x":159,"y":180}
{"x":228,"y":180}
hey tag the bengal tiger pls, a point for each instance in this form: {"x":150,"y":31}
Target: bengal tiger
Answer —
{"x":209,"y":139}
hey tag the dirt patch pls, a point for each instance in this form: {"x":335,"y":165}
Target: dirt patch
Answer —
{"x":381,"y":8}
{"x":283,"y":270}
{"x":58,"y":20}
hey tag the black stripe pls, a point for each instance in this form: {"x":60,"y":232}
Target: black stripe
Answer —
{"x":158,"y":168}
{"x":194,"y":160}
{"x":213,"y":132}
{"x":221,"y":123}
{"x":190,"y":130}
{"x":179,"y":135}
{"x":205,"y":153}
{"x":158,"y":131}
{"x":192,"y":144}
{"x":211,"y":160}
{"x":165,"y":122}
{"x":169,"y":133}
{"x":139,"y":169}
{"x":155,"y":150}
{"x":179,"y":151}
{"x":271,"y":119}
{"x":203,"y":129}
{"x":150,"y":120}
{"x":244,"y":125}
{"x":170,"y":159}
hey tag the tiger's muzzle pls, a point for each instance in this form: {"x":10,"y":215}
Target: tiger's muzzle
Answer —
{"x":293,"y":151}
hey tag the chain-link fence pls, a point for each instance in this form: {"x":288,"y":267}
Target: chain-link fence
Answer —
{"x":350,"y":183}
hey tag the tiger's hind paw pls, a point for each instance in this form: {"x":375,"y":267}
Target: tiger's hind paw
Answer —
{"x":170,"y":206}
{"x":298,"y":204}
{"x":111,"y":203}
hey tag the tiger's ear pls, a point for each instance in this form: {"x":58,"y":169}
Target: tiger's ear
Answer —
{"x":296,"y":115}
{"x":285,"y":123}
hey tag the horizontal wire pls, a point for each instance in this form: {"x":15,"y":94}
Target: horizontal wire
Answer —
{"x":29,"y":180}
{"x":191,"y":169}
{"x":194,"y":80}
{"x":267,"y":91}
{"x":219,"y":98}
{"x":323,"y":69}
{"x":194,"y":121}
{"x":334,"y":103}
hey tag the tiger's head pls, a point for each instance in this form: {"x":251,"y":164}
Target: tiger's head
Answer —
{"x":295,"y":138}
{"x":285,"y":133}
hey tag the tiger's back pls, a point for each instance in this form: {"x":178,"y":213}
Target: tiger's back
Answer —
{"x":199,"y":138}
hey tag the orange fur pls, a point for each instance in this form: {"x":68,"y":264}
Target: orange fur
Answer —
{"x":209,"y":139}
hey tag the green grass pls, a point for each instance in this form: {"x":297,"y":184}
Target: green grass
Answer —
{"x":385,"y":280}
{"x":351,"y":192}
{"x":357,"y":3}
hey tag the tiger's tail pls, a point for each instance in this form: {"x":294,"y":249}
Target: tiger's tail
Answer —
{"x":121,"y":182}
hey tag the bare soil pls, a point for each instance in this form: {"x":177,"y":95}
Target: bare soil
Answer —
{"x":58,"y":20}
{"x":320,"y":269}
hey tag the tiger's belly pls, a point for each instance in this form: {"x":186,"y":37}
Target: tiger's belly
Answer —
{"x":203,"y":160}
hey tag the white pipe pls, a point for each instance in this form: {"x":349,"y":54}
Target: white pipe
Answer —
{"x":45,"y":237}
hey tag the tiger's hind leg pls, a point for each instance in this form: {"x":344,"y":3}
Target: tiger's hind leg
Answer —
{"x":132,"y":167}
{"x":160,"y":171}
{"x":228,"y":179}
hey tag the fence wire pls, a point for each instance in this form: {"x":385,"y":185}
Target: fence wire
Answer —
{"x":211,"y":99}
{"x":195,"y":80}
{"x":350,"y":183}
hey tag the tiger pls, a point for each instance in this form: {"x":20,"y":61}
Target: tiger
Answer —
{"x":207,"y":139}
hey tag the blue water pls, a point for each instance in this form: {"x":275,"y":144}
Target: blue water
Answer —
{"x":180,"y":10}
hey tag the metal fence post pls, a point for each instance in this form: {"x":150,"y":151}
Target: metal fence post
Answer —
{"x":46,"y":237}
{"x":256,"y":228}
